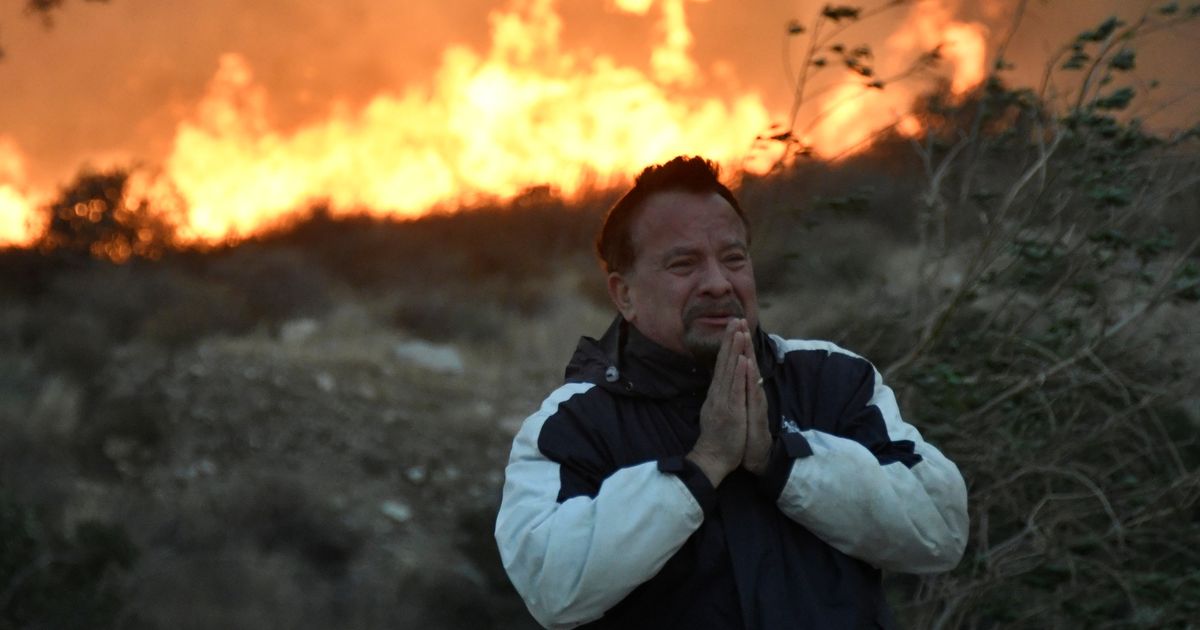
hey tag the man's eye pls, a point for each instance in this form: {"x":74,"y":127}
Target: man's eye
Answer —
{"x":735,"y":259}
{"x":679,"y":265}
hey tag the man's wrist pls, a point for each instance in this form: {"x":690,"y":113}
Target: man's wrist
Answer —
{"x":713,"y":470}
{"x":758,"y":468}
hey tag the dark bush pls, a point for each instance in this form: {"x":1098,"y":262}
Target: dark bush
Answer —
{"x":92,"y":217}
{"x":273,"y":283}
{"x":121,"y":436}
{"x":51,"y":581}
{"x":281,"y":515}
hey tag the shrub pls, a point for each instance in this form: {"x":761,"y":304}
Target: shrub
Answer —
{"x":51,"y":581}
{"x":274,"y":283}
{"x":93,"y":217}
{"x":1044,"y":374}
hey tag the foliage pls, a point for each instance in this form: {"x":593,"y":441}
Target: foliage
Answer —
{"x":1053,"y":371}
{"x":94,"y":217}
{"x":51,"y":581}
{"x":825,"y":49}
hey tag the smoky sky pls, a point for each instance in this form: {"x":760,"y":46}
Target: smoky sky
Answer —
{"x":110,"y":82}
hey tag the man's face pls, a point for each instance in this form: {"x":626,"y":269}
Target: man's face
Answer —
{"x":691,"y":274}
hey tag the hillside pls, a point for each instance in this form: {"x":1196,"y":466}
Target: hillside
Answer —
{"x":309,"y":429}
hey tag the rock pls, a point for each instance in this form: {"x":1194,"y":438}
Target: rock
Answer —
{"x":325,"y":382}
{"x":396,"y":510}
{"x":57,"y":407}
{"x":298,"y":331}
{"x":434,"y":357}
{"x":202,"y":468}
{"x":450,"y":473}
{"x":416,"y":474}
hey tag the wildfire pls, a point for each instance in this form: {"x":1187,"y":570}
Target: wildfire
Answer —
{"x":849,"y":113}
{"x":17,"y":223}
{"x":527,"y":111}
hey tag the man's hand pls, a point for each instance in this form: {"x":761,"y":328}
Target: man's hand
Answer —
{"x":758,"y":435}
{"x":722,"y":442}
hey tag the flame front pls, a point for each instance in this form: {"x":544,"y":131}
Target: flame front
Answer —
{"x":526,"y":112}
{"x":849,"y":114}
{"x":17,"y":223}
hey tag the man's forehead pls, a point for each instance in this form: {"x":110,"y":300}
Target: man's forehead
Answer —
{"x":671,"y":216}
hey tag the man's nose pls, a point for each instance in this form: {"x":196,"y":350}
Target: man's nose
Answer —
{"x":715,"y":279}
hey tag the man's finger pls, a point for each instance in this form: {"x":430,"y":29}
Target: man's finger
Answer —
{"x":758,"y":435}
{"x":748,"y":350}
{"x":723,"y":380}
{"x":723,"y":353}
{"x":739,"y":390}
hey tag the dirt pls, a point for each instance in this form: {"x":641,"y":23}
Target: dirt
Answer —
{"x":322,"y":474}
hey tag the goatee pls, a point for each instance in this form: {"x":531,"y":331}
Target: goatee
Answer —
{"x":704,"y":348}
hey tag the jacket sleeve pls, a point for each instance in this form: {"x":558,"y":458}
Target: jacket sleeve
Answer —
{"x":873,"y":488}
{"x":574,"y":538}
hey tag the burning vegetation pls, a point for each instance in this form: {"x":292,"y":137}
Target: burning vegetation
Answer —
{"x":219,"y":381}
{"x":528,"y":111}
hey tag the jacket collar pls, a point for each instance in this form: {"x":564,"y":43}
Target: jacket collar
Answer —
{"x":626,"y":362}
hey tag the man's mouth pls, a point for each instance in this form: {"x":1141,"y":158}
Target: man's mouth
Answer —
{"x":713,"y":320}
{"x":713,"y":315}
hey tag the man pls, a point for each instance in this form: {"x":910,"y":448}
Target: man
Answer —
{"x":696,"y":472}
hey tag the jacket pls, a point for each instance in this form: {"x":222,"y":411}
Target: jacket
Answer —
{"x":604,"y":523}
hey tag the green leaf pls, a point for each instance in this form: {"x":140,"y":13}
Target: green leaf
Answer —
{"x":1123,"y":60}
{"x":1111,"y":196}
{"x":839,"y":13}
{"x":857,"y":67}
{"x":1077,"y":60}
{"x":1187,"y":283}
{"x":1111,"y":239}
{"x":1150,"y":247}
{"x":1102,"y":32}
{"x":1116,"y":101}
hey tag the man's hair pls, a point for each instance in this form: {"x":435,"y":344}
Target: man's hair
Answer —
{"x":614,"y":243}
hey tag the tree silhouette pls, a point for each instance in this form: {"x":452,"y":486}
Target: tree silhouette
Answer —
{"x":93,"y":217}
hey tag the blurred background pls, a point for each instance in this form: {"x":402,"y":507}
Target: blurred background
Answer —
{"x":279,"y":282}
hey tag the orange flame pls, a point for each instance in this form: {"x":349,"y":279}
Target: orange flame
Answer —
{"x":526,"y":112}
{"x":962,"y":44}
{"x":17,"y":223}
{"x":851,"y":112}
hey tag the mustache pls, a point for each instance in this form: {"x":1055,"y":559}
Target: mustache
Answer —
{"x":719,"y":308}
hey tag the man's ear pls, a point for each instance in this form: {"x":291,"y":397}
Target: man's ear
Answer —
{"x":619,"y":292}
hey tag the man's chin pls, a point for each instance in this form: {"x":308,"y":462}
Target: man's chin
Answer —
{"x":704,"y":348}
